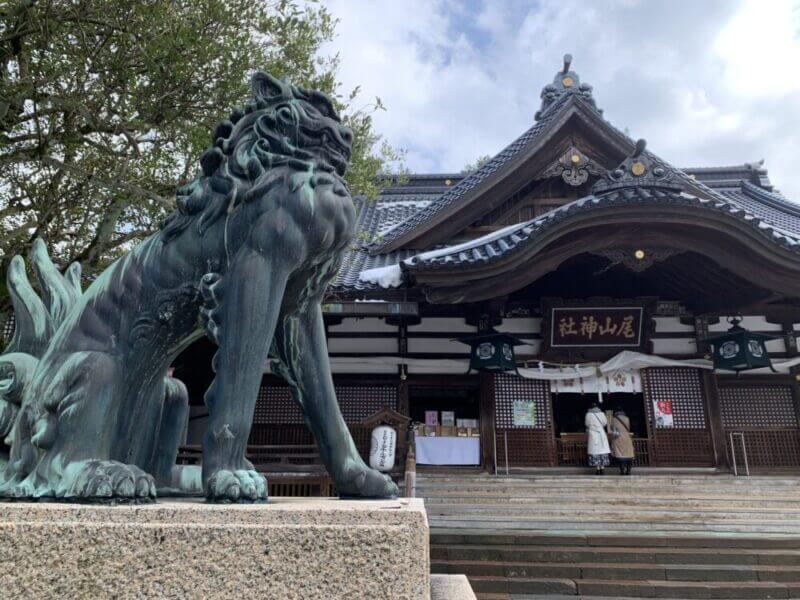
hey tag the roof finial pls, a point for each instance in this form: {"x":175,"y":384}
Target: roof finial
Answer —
{"x":566,"y":82}
{"x":638,"y":169}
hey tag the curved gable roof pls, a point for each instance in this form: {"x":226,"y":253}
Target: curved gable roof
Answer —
{"x":474,"y":179}
{"x":488,"y":257}
{"x":556,"y":100}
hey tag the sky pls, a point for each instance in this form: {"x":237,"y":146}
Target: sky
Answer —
{"x":705,"y":82}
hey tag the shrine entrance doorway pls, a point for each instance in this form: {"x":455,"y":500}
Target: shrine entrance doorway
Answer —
{"x":569,"y":411}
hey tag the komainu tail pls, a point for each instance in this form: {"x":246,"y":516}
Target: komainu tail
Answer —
{"x":36,"y":320}
{"x":36,"y":317}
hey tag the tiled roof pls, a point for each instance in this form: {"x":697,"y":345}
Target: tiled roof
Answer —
{"x":731,"y":176}
{"x":494,"y":247}
{"x":770,"y":207}
{"x":475,"y":178}
{"x":405,"y":206}
{"x":395,"y":204}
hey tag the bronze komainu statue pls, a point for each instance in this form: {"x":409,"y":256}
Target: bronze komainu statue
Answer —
{"x":85,"y":401}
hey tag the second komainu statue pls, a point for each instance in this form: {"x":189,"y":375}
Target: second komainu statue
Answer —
{"x":87,"y":409}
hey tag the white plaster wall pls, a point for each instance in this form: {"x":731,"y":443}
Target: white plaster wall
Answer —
{"x":362,"y":325}
{"x":377,"y":345}
{"x":363,"y":368}
{"x":674,"y":346}
{"x":672,"y":325}
{"x":521,"y":325}
{"x":439,"y":369}
{"x":778,"y":345}
{"x":437,"y":345}
{"x":443,"y":324}
{"x":532,"y":348}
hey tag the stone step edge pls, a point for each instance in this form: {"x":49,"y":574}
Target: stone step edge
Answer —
{"x":538,"y":508}
{"x":617,"y":549}
{"x":610,"y":519}
{"x":491,"y":596}
{"x":458,"y":563}
{"x":441,"y":537}
{"x":743,"y":586}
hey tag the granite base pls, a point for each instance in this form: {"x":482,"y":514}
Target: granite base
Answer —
{"x":288,"y":548}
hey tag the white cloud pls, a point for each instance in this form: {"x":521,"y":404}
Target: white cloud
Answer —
{"x":708,"y":83}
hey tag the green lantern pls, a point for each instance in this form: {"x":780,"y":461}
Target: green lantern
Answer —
{"x":739,"y":349}
{"x":491,"y":350}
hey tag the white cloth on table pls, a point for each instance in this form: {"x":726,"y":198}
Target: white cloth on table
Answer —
{"x":448,"y":450}
{"x":596,"y":422}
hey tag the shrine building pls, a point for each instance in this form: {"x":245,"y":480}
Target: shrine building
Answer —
{"x":595,"y":267}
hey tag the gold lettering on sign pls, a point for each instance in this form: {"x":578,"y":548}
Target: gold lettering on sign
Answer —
{"x":627,"y":327}
{"x":610,"y":328}
{"x":597,"y":327}
{"x":567,"y":327}
{"x":589,"y":327}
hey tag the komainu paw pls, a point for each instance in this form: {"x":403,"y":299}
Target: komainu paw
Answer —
{"x":107,"y":480}
{"x":236,"y":486}
{"x":368,"y":483}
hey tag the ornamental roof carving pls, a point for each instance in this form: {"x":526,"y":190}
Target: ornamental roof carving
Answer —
{"x":565,"y":82}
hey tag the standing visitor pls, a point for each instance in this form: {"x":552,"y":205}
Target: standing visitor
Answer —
{"x":622,"y":443}
{"x":597,"y":446}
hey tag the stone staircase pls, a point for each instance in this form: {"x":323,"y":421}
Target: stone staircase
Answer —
{"x":663,"y":536}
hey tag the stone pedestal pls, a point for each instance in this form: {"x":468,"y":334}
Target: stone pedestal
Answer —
{"x":303,"y":548}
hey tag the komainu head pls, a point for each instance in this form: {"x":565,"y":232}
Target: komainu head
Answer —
{"x":283,"y":125}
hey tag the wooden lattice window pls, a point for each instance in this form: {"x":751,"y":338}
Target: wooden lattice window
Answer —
{"x":511,"y":388}
{"x":753,"y":406}
{"x":524,"y":447}
{"x":357,"y":402}
{"x":7,"y":331}
{"x":770,"y":448}
{"x":682,"y":388}
{"x":683,"y":448}
{"x":276,"y":405}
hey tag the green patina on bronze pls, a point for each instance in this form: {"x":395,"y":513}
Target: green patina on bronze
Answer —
{"x":86,"y":406}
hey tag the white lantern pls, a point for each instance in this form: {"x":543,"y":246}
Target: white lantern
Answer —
{"x":382,"y":448}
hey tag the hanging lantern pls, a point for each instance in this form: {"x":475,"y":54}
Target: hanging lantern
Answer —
{"x":739,"y":349}
{"x":491,"y":351}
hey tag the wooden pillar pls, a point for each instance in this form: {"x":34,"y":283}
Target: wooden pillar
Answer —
{"x":794,"y":373}
{"x":714,"y":415}
{"x":402,"y":370}
{"x":486,"y":413}
{"x":402,"y":393}
{"x":790,"y":339}
{"x":701,"y":323}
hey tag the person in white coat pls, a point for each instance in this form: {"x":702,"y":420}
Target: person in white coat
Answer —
{"x":597,"y":447}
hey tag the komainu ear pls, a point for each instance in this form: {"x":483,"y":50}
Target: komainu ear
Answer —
{"x":267,"y":87}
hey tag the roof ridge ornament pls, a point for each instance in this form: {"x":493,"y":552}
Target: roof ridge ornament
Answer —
{"x":639,"y":169}
{"x":574,"y":167}
{"x":566,"y":81}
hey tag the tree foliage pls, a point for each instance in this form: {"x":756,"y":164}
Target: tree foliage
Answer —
{"x":477,"y":164}
{"x":105,"y":106}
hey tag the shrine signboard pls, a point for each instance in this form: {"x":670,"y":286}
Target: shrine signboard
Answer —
{"x":595,"y":329}
{"x":596,"y":326}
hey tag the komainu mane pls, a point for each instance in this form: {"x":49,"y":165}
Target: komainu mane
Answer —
{"x":86,"y":405}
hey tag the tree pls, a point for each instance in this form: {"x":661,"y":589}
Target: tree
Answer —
{"x":477,"y":164}
{"x":105,"y":106}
